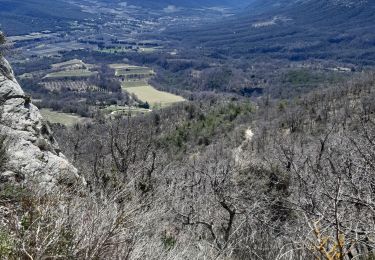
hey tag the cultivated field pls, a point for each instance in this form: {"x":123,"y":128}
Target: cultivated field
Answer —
{"x":125,"y":70}
{"x":140,"y":73}
{"x":70,"y":74}
{"x":116,"y":66}
{"x":115,"y":50}
{"x":153,"y":96}
{"x":61,"y":118}
{"x":31,"y":36}
{"x":135,"y":83}
{"x":146,"y":50}
{"x":72,"y":85}
{"x":144,"y":71}
{"x":70,"y":64}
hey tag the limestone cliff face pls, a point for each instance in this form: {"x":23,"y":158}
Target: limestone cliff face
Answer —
{"x":31,"y":151}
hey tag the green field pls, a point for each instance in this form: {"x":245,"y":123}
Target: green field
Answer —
{"x":70,"y":74}
{"x":60,"y":118}
{"x":154,"y":97}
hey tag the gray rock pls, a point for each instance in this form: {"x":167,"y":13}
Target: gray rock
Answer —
{"x":32,"y":152}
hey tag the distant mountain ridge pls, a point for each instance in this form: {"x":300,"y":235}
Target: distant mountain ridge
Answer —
{"x":297,"y":30}
{"x":25,"y":16}
{"x":186,"y":3}
{"x":267,"y":6}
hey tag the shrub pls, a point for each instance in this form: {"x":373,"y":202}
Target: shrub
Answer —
{"x":168,"y":241}
{"x":6,"y":245}
{"x":13,"y":193}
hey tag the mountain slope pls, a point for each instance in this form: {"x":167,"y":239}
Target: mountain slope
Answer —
{"x":297,"y":30}
{"x":268,"y":5}
{"x":185,"y":3}
{"x":25,"y":16}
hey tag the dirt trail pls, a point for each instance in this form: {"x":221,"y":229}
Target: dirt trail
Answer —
{"x":238,"y":154}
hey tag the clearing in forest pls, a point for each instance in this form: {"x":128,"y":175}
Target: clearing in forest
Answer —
{"x":154,"y":97}
{"x":61,"y":118}
{"x":135,"y":81}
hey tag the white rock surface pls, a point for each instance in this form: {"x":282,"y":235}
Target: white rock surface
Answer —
{"x":32,"y":152}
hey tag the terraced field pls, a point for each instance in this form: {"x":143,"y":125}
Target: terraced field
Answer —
{"x":135,"y":81}
{"x":125,"y":70}
{"x":116,"y":66}
{"x":70,"y":74}
{"x":73,"y":85}
{"x":139,"y":72}
{"x":69,"y":64}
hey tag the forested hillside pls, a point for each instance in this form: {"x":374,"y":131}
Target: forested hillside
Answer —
{"x":277,"y":179}
{"x":214,"y":179}
{"x":192,"y":3}
{"x":22,"y":17}
{"x":300,"y":30}
{"x":164,"y":135}
{"x":26,"y":16}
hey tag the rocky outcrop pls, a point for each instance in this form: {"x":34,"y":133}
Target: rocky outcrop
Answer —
{"x":31,"y":152}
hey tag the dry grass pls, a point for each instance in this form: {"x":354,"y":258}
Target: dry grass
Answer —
{"x":153,"y":96}
{"x":135,"y":83}
{"x":60,"y":118}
